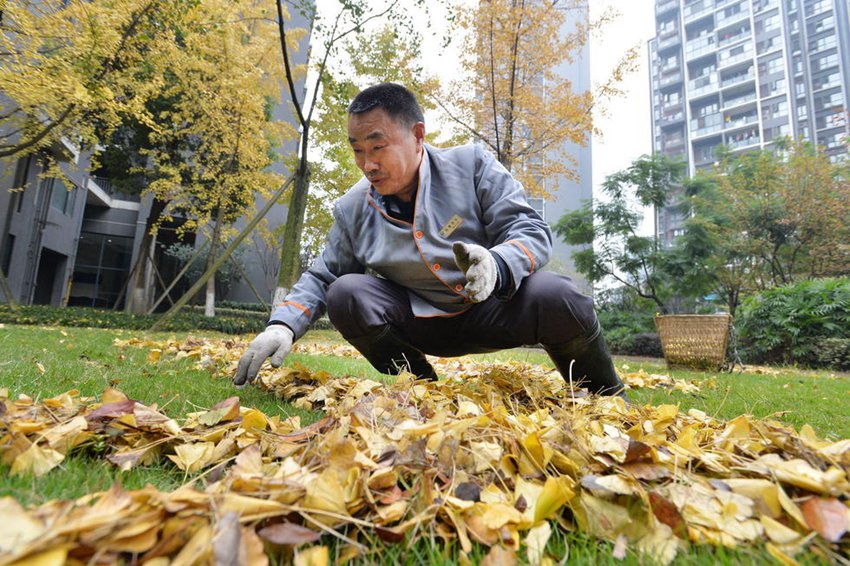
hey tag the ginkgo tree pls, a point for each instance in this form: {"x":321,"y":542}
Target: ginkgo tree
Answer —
{"x":512,"y":96}
{"x":224,"y":79}
{"x":70,"y":68}
{"x":184,"y":85}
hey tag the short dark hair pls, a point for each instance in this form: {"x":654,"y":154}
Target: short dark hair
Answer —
{"x":393,"y":98}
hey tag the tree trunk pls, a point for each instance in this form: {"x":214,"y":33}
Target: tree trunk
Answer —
{"x":209,"y":304}
{"x":137,"y":291}
{"x":290,"y":253}
{"x":221,"y":259}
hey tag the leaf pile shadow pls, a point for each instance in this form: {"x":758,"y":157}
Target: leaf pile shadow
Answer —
{"x":500,"y":458}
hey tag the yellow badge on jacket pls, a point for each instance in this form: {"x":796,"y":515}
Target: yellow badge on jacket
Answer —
{"x":451,"y":226}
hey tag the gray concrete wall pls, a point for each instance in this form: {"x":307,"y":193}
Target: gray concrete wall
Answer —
{"x":41,"y":231}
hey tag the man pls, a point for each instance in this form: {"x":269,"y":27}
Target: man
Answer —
{"x":454,"y":253}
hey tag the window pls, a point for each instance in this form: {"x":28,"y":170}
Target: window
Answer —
{"x":768,"y":45}
{"x":664,"y":27}
{"x":802,"y":112}
{"x":100,"y":270}
{"x":825,"y":62}
{"x":671,"y":98}
{"x":818,"y":7}
{"x":778,"y":109}
{"x":774,"y":65}
{"x":823,"y":43}
{"x":772,"y":88}
{"x":822,"y":25}
{"x":827,"y":81}
{"x":779,"y":131}
{"x":768,"y":24}
{"x":833,"y":100}
{"x":832,"y":141}
{"x":61,"y":197}
{"x":834,"y":120}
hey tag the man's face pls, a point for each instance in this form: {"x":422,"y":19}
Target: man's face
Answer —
{"x":386,"y":151}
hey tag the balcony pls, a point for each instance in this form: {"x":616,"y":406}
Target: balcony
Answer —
{"x":698,"y":10}
{"x":738,"y":101}
{"x":669,"y":42}
{"x":729,"y":40}
{"x":726,"y":60}
{"x":705,"y":158}
{"x":835,"y":81}
{"x":675,"y":78}
{"x":706,"y":131}
{"x":673,"y":143}
{"x":743,"y":142}
{"x":738,"y":79}
{"x":700,"y":46}
{"x":666,"y":6}
{"x":724,"y":20}
{"x":703,"y":85}
{"x":733,"y":124}
{"x":671,"y":119}
{"x":106,"y":185}
{"x":822,"y":44}
{"x":707,"y":125}
{"x":762,"y":5}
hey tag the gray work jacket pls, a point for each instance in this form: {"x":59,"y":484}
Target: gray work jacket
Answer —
{"x":464,"y":195}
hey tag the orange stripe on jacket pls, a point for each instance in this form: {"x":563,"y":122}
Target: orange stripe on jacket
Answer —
{"x":297,"y":305}
{"x":528,"y":253}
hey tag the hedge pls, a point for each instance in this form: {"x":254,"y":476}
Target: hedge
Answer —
{"x":98,"y":318}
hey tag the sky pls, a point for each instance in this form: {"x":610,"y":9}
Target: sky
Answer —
{"x":626,"y":131}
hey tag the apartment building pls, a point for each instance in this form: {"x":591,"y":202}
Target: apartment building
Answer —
{"x":744,"y":74}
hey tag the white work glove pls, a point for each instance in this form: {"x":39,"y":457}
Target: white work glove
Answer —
{"x":274,"y":341}
{"x":478,"y":265}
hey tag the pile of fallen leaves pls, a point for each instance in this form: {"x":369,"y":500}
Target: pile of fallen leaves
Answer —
{"x":221,"y":356}
{"x":500,"y":458}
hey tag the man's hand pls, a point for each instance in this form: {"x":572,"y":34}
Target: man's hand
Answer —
{"x":274,"y":341}
{"x":478,"y":265}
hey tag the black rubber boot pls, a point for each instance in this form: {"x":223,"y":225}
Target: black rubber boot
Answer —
{"x":593,"y":367}
{"x":389,"y":353}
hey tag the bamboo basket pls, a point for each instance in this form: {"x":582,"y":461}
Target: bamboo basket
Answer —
{"x":694,"y":340}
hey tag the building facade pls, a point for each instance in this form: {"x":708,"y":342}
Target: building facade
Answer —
{"x":745,"y":74}
{"x":570,"y":194}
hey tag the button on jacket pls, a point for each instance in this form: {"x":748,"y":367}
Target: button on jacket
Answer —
{"x":464,"y":194}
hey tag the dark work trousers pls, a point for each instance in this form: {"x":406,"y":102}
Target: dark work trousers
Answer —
{"x":547,"y":309}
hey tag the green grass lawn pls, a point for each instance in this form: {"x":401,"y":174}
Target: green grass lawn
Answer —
{"x":43,"y":362}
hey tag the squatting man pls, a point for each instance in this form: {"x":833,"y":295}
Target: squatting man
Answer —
{"x":434,"y":251}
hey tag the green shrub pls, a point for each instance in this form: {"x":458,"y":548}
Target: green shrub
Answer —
{"x":236,"y":305}
{"x":232,"y":322}
{"x":790,"y":324}
{"x":623,"y":319}
{"x":646,"y":344}
{"x":98,"y":318}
